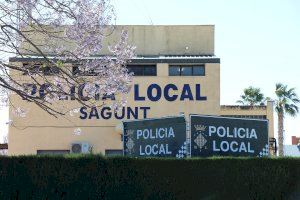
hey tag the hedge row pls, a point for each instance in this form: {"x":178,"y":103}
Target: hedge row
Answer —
{"x":96,"y":177}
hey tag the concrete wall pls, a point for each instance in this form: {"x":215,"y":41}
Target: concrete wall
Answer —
{"x":149,"y":40}
{"x":267,"y":111}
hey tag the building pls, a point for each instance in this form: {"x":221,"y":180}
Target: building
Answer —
{"x":176,"y":71}
{"x":295,"y":140}
{"x":294,"y":149}
{"x":291,"y":150}
{"x":3,"y":149}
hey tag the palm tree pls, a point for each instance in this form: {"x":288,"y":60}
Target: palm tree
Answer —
{"x":252,"y":96}
{"x":286,"y":103}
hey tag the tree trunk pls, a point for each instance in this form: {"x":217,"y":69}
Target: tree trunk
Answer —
{"x":280,"y":133}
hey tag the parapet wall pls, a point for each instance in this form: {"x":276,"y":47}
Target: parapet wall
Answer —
{"x":149,"y":40}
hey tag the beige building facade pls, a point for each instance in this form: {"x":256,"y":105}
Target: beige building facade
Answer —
{"x":176,"y":72}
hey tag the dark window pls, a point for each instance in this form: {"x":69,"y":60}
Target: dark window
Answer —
{"x":113,"y":152}
{"x":77,"y":71}
{"x":174,"y":71}
{"x":39,"y":68}
{"x":3,"y":146}
{"x":91,"y":73}
{"x":198,"y":71}
{"x":142,"y":70}
{"x":247,"y":116}
{"x":187,"y":70}
{"x":50,"y":70}
{"x":52,"y":152}
{"x":150,"y":70}
{"x":31,"y":68}
{"x":136,"y":70}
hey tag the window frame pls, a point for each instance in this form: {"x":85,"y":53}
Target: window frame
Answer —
{"x":144,"y":66}
{"x":53,"y":151}
{"x":190,"y":65}
{"x":36,"y":68}
{"x":113,"y":152}
{"x":76,"y":71}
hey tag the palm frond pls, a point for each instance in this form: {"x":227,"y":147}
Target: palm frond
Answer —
{"x":252,"y":96}
{"x":287,"y":100}
{"x":291,"y":110}
{"x":240,"y":101}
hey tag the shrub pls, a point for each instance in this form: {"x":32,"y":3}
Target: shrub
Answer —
{"x":97,"y":177}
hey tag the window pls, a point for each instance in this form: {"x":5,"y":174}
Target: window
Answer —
{"x":113,"y":152}
{"x":39,"y":68}
{"x":187,"y":70}
{"x":150,"y":70}
{"x":198,"y":71}
{"x":142,"y":70}
{"x":137,"y":70}
{"x":76,"y":71}
{"x":174,"y":71}
{"x":247,"y":116}
{"x":50,"y":70}
{"x":31,"y":68}
{"x":52,"y":152}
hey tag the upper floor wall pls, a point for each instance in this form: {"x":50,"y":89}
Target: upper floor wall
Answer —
{"x":149,"y":40}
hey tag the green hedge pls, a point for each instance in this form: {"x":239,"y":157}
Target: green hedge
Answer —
{"x":96,"y":177}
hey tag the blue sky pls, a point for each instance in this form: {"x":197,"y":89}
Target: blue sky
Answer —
{"x":258,"y":41}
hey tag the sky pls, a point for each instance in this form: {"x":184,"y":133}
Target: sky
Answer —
{"x":257,"y":41}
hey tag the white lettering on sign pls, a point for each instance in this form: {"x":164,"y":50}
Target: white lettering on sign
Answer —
{"x":158,"y":133}
{"x":234,"y":133}
{"x":233,"y":146}
{"x":155,"y":149}
{"x":152,"y":134}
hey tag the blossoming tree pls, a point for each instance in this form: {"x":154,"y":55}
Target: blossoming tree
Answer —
{"x":69,"y":31}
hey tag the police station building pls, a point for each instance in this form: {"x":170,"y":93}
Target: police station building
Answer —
{"x":175,"y":72}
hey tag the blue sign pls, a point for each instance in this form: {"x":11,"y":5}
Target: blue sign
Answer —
{"x":162,"y":137}
{"x":226,"y":136}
